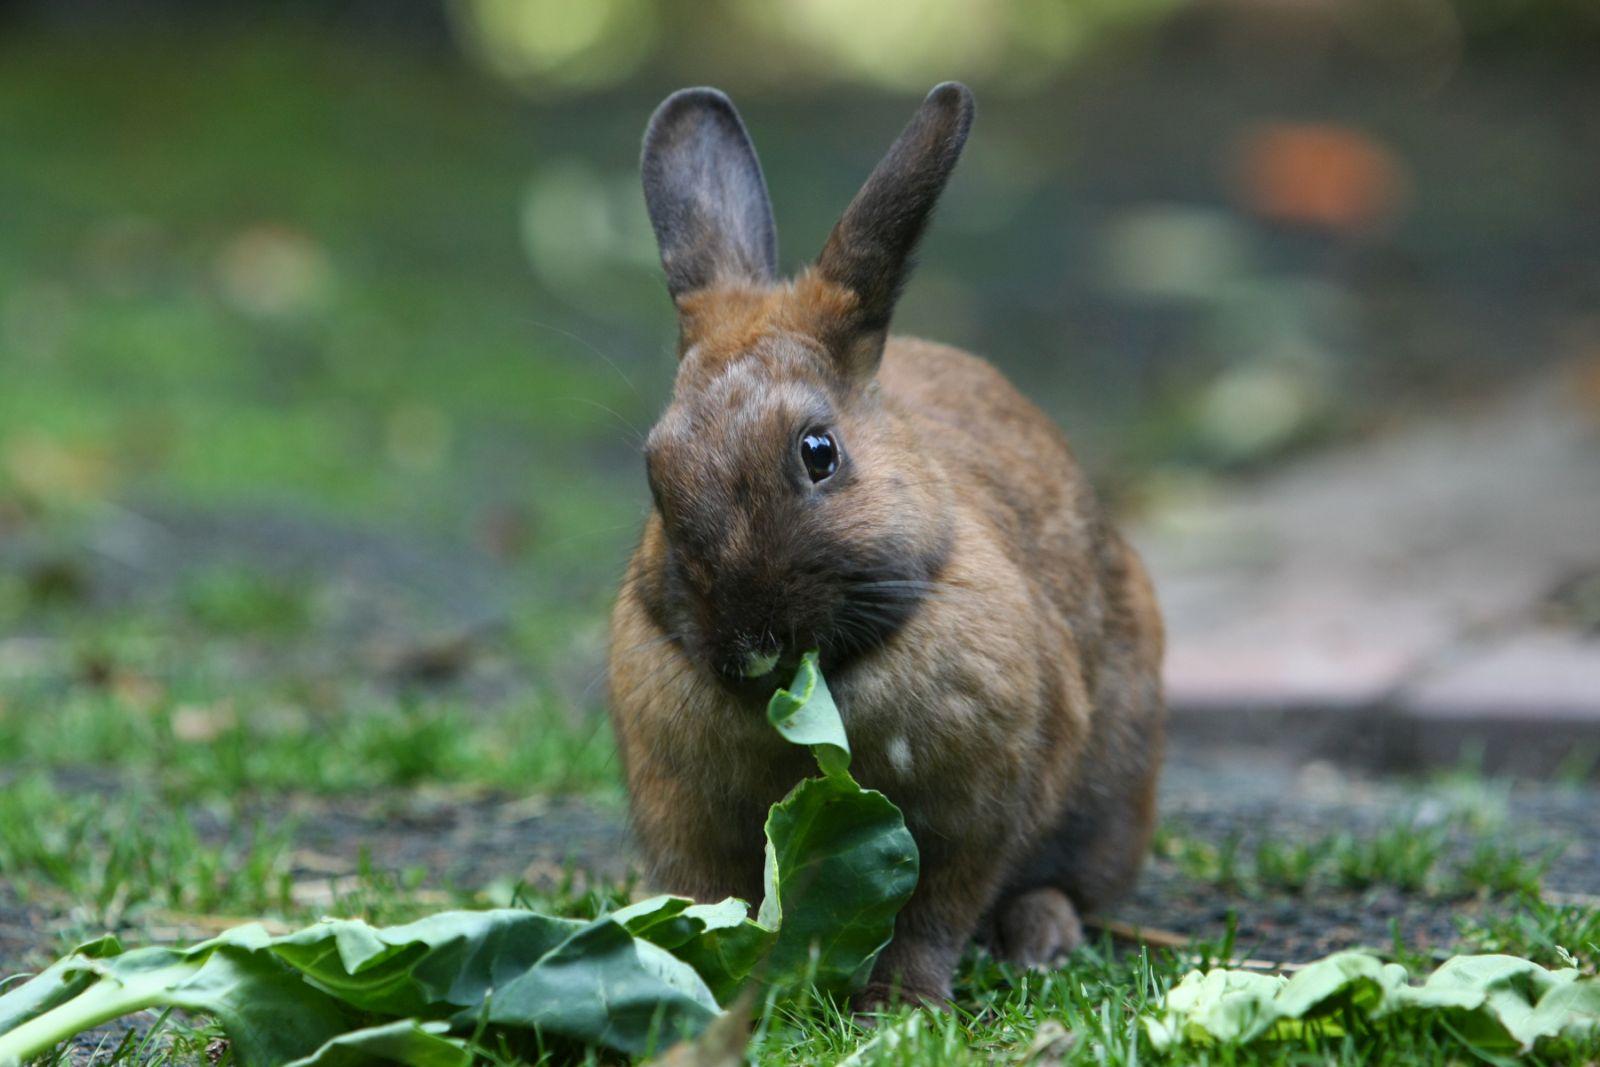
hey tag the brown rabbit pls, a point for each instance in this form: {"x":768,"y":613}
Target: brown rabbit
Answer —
{"x":993,"y":644}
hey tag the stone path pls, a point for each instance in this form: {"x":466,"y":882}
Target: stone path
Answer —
{"x":1435,"y":587}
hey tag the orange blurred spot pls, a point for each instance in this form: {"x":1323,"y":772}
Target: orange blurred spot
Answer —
{"x":1585,"y":376}
{"x":1316,"y":175}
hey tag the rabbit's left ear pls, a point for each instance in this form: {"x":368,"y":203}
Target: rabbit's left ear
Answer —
{"x":870,"y":250}
{"x":706,"y":195}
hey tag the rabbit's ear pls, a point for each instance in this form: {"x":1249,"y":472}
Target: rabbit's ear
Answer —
{"x":705,"y":194}
{"x":870,"y":250}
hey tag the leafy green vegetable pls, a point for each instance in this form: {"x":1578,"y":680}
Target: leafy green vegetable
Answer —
{"x":719,"y":941}
{"x":1498,"y":1003}
{"x":406,"y":1041}
{"x":836,"y":878}
{"x":432,"y":967}
{"x":55,"y":985}
{"x":604,"y":986}
{"x":268,"y":1012}
{"x":839,"y":866}
{"x":806,"y":715}
{"x":840,"y":861}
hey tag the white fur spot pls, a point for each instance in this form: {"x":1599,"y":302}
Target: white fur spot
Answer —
{"x":899,"y":753}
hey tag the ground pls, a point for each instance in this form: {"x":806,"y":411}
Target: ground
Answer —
{"x":165,"y":804}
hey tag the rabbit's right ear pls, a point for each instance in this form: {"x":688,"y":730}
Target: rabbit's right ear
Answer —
{"x":706,"y":196}
{"x":869,"y":252}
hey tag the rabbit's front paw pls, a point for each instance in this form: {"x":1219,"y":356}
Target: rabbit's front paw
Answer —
{"x":1037,"y":929}
{"x":880,"y":997}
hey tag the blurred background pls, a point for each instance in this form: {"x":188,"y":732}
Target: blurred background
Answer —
{"x":329,"y":332}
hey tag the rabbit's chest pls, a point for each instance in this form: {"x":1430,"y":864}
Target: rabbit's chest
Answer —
{"x":927,"y":737}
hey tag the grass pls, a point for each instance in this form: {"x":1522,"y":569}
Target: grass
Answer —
{"x":234,"y":599}
{"x":1552,"y":934}
{"x":1292,"y":866}
{"x":1405,"y":856}
{"x":106,"y":858}
{"x":1449,"y":859}
{"x":129,"y":864}
{"x":196,"y":740}
{"x":1088,"y":1013}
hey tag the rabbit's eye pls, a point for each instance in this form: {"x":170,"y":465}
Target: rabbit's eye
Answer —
{"x":819,"y":454}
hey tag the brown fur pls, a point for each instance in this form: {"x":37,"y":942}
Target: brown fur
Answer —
{"x":1011,"y":706}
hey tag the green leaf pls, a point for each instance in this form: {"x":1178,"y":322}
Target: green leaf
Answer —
{"x":1346,"y":979}
{"x":840,"y":866}
{"x":840,"y":863}
{"x":661,"y":919}
{"x":1504,"y":990}
{"x":1219,"y":1006}
{"x":605,"y":986}
{"x":806,"y":715}
{"x":1570,"y":1009}
{"x":269,"y":1013}
{"x":430,"y":968}
{"x":1497,"y":1003}
{"x":55,"y":985}
{"x":727,"y":949}
{"x":718,"y":940}
{"x":407,"y":1042}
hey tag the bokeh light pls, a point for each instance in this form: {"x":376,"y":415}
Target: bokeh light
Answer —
{"x":557,"y":44}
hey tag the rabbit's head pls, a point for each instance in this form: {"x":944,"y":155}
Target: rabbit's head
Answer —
{"x":793,"y":509}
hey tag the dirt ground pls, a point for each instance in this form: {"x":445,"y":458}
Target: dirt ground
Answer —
{"x":1246,"y":799}
{"x":1221,"y":803}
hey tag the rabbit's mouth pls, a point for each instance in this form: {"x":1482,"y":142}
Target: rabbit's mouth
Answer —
{"x":758,"y":689}
{"x":755,"y":663}
{"x":753,"y":674}
{"x":759,"y":664}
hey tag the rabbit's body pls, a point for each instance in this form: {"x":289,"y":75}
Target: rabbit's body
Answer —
{"x":993,"y":644}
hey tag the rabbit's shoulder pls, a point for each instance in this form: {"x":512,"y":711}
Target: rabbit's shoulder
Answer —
{"x":1006,"y":457}
{"x":944,"y":389}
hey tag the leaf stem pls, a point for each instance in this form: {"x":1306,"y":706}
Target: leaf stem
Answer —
{"x":107,"y":999}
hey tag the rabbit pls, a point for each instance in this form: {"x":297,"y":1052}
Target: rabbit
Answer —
{"x":993,"y":643}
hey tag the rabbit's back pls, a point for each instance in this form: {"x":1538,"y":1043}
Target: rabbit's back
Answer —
{"x":1014,"y":474}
